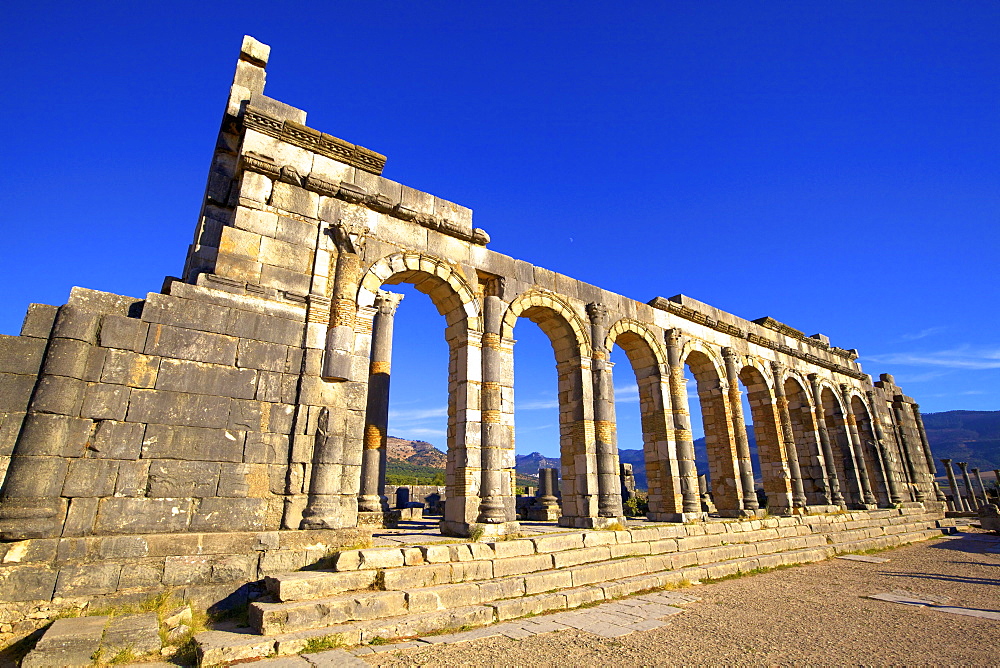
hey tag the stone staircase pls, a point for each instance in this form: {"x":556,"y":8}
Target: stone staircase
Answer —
{"x":401,"y":592}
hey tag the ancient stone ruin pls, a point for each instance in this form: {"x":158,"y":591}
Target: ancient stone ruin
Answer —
{"x":233,"y":424}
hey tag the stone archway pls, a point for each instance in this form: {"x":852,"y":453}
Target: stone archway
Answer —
{"x":651,"y":368}
{"x":771,"y":453}
{"x":567,"y":333}
{"x":455,"y":299}
{"x":716,"y":417}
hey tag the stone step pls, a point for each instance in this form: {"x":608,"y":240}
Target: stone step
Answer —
{"x":302,"y":585}
{"x":79,"y":641}
{"x":311,"y":585}
{"x":688,"y":536}
{"x":492,"y":585}
{"x":218,"y":646}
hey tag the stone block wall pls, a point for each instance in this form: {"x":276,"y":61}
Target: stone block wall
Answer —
{"x":236,"y":398}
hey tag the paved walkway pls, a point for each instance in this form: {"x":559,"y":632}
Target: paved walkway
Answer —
{"x":815,"y":614}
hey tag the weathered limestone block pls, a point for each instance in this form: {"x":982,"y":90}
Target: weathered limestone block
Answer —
{"x":140,"y":515}
{"x":416,"y":577}
{"x":21,"y":355}
{"x":520,"y":565}
{"x":541,"y":582}
{"x":27,"y":582}
{"x":130,"y":369}
{"x":177,"y":479}
{"x":103,"y":401}
{"x":200,"y":378}
{"x":218,"y":514}
{"x":558,"y":542}
{"x":190,"y":344}
{"x":68,"y":642}
{"x":180,"y":409}
{"x":92,"y":579}
{"x":116,"y":440}
{"x":132,"y":478}
{"x":512,"y":548}
{"x":144,"y":573}
{"x":313,"y":584}
{"x":58,"y":394}
{"x":471,"y":570}
{"x":122,"y":332}
{"x":91,"y":477}
{"x":139,"y":634}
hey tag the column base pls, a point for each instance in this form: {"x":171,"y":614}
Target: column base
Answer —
{"x":544,"y":514}
{"x":379,"y":520}
{"x":757,"y":513}
{"x":862,"y":506}
{"x":678,"y":518}
{"x":590,"y":522}
{"x":822,"y":509}
{"x":479,"y":531}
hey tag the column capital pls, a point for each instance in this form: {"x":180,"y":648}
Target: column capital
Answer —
{"x":962,"y":465}
{"x":598,"y":313}
{"x":974,"y":470}
{"x":946,"y":462}
{"x":350,"y":231}
{"x":386,"y":302}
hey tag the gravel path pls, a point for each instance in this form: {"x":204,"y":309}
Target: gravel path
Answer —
{"x":815,"y":614}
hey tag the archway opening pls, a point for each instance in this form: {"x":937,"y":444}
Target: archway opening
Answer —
{"x":418,"y":429}
{"x":720,"y":467}
{"x":874,"y":464}
{"x":536,"y":422}
{"x":806,"y":442}
{"x":833,"y":415}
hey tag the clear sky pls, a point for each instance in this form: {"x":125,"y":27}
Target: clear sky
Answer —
{"x":833,"y":165}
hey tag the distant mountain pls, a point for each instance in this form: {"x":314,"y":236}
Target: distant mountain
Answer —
{"x":965,"y":436}
{"x":419,"y":453}
{"x":528,"y":465}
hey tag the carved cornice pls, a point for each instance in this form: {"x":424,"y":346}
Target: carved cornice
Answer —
{"x":732,"y":330}
{"x":355,"y":194}
{"x":314,"y":140}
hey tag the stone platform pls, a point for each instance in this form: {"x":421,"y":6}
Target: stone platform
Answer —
{"x":411,"y":590}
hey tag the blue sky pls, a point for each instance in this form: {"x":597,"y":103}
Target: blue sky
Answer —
{"x":832,"y":165}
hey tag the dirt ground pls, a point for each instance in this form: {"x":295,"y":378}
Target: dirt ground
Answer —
{"x":815,"y":614}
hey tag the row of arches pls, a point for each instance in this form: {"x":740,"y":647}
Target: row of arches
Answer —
{"x":818,"y":443}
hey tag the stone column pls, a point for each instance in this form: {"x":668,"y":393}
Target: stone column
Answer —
{"x":682,"y":425}
{"x":982,"y":488}
{"x":836,"y":497}
{"x":996,"y":481}
{"x":888,"y":464}
{"x":495,"y":435}
{"x":788,"y":436}
{"x":740,"y":431}
{"x":548,"y":504}
{"x":957,"y":500}
{"x":323,"y":508}
{"x":609,"y":499}
{"x":350,"y":241}
{"x":372,"y":497}
{"x":931,"y":468}
{"x":970,"y":493}
{"x":911,"y":461}
{"x":855,"y":445}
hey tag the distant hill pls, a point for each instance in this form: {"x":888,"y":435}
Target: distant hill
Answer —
{"x":965,"y":436}
{"x":420,"y":453}
{"x":528,"y":465}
